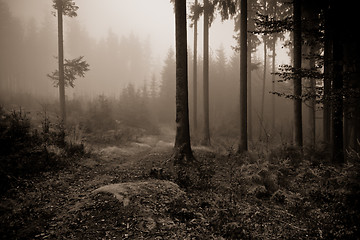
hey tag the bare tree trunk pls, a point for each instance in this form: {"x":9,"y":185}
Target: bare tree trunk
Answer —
{"x":273,"y":83}
{"x":195,"y":74}
{"x":297,"y":77}
{"x":312,"y":103}
{"x":263,"y":86}
{"x":182,"y":148}
{"x":327,"y":80}
{"x":337,"y":86}
{"x":273,"y":105}
{"x":61,"y":61}
{"x":206,"y":137}
{"x":264,"y":77}
{"x":249,"y":89}
{"x":337,"y":106}
{"x":243,"y":145}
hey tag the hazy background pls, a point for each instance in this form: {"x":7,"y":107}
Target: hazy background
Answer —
{"x":149,"y":22}
{"x":129,"y":45}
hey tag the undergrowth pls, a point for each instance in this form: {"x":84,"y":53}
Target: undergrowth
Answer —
{"x":283,"y":193}
{"x":26,"y":151}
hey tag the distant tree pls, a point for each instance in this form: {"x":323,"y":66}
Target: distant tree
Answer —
{"x":153,"y":88}
{"x":182,"y":148}
{"x":11,"y":47}
{"x":168,"y":89}
{"x":66,"y":8}
{"x":196,"y":10}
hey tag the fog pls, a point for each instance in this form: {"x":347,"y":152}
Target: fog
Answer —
{"x":151,"y":23}
{"x":129,"y":46}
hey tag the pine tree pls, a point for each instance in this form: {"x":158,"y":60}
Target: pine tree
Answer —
{"x":182,"y":148}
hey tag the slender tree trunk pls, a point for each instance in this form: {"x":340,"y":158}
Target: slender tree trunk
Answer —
{"x":273,"y":105}
{"x":195,"y":73}
{"x":337,"y":123}
{"x":312,"y":103}
{"x":327,"y":80}
{"x":249,"y":85}
{"x":273,"y":82}
{"x":243,"y":145}
{"x":61,"y":61}
{"x":206,"y":137}
{"x":249,"y":93}
{"x":263,"y":85}
{"x":182,"y":148}
{"x":297,"y":78}
{"x":264,"y":78}
{"x":337,"y":106}
{"x":337,"y":85}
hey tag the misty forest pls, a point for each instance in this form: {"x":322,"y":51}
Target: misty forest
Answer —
{"x":239,"y":121}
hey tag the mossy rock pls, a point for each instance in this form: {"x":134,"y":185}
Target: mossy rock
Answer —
{"x":141,"y":192}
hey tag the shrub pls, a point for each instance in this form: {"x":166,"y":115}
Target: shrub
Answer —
{"x":26,"y":151}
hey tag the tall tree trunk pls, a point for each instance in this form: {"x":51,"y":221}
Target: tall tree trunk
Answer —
{"x":61,"y":60}
{"x":337,"y":106}
{"x":249,"y":88}
{"x":182,"y":148}
{"x":273,"y":82}
{"x":312,"y":103}
{"x":337,"y":84}
{"x":195,"y":73}
{"x":273,"y":88}
{"x":249,"y":85}
{"x":264,"y":78}
{"x":327,"y":79}
{"x":297,"y":78}
{"x":263,"y":86}
{"x":206,"y":137}
{"x":243,"y":145}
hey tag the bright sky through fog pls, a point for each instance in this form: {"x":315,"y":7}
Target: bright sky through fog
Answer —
{"x":153,"y":19}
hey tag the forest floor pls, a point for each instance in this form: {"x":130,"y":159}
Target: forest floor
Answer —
{"x":120,"y":192}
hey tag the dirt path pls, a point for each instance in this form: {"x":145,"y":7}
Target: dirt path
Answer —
{"x":56,"y":206}
{"x":111,"y":195}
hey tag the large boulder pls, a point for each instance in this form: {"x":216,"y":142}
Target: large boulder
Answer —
{"x":151,"y":198}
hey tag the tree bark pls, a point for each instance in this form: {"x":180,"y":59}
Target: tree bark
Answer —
{"x":337,"y":123}
{"x":263,"y":86}
{"x":61,"y":61}
{"x":273,"y":105}
{"x":249,"y":87}
{"x":195,"y":74}
{"x":273,"y":85}
{"x":182,"y":148}
{"x":327,"y":79}
{"x":337,"y":37}
{"x":312,"y":102}
{"x":264,"y":79}
{"x":297,"y":77}
{"x":206,"y":137}
{"x":243,"y":145}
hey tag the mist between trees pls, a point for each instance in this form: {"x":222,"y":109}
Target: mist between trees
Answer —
{"x":120,"y":68}
{"x":123,"y":74}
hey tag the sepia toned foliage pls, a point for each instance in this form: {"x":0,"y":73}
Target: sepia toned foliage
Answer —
{"x":72,"y":69}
